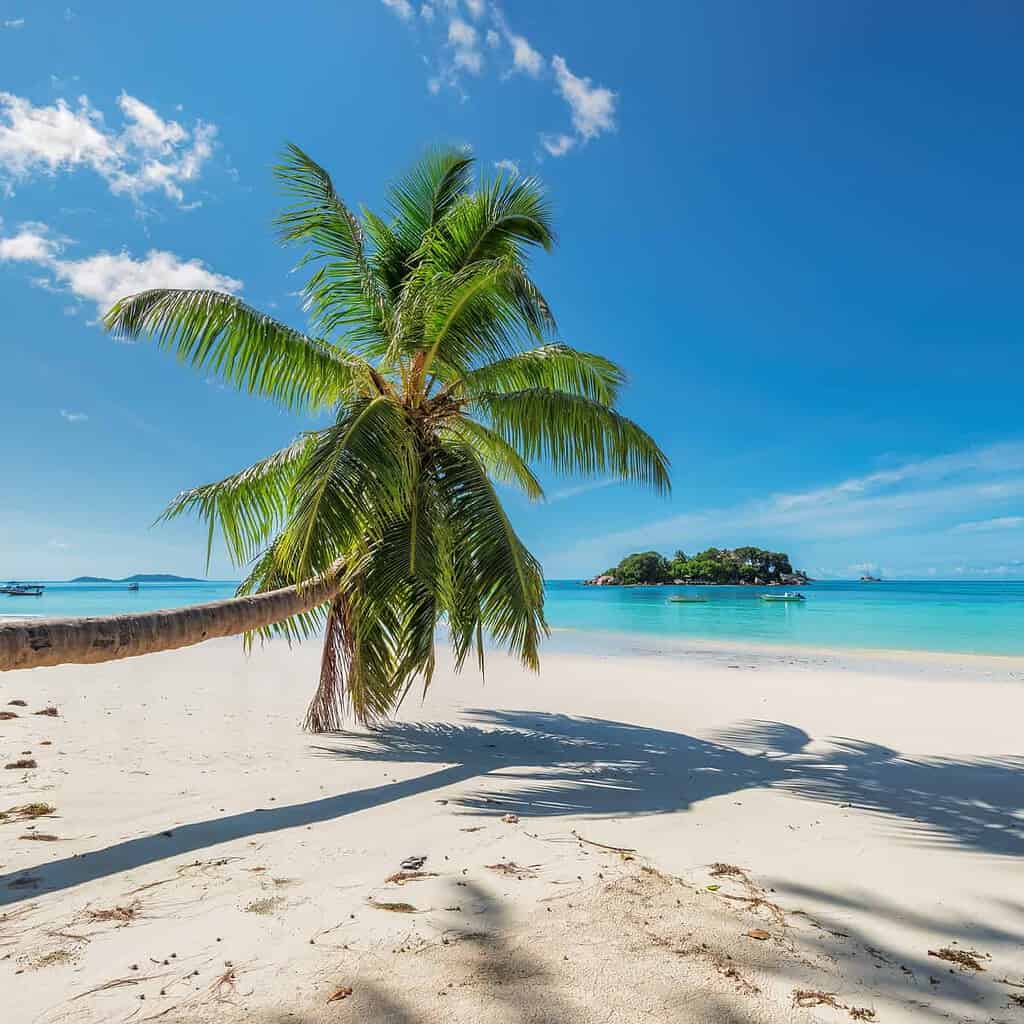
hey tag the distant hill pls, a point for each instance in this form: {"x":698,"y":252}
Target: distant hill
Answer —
{"x":139,"y":577}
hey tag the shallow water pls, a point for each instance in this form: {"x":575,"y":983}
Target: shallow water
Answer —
{"x":970,"y":617}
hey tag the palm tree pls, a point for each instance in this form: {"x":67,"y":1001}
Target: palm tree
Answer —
{"x":431,"y":349}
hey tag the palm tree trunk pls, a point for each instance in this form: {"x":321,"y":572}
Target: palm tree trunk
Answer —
{"x":36,"y":643}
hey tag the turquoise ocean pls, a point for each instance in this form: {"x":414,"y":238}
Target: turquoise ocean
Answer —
{"x":961,"y":616}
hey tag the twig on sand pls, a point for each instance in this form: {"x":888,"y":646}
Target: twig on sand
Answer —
{"x":180,"y":873}
{"x":968,"y":958}
{"x":115,"y":983}
{"x":755,"y":899}
{"x":162,"y":1013}
{"x":602,"y":846}
{"x":510,"y":867}
{"x":395,"y":908}
{"x":225,"y":985}
{"x":123,"y":915}
{"x":401,"y":877}
{"x":27,"y":812}
{"x":69,"y":935}
{"x":809,"y":998}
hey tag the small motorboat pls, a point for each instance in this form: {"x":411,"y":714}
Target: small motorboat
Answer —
{"x":783,"y":597}
{"x":24,"y":589}
{"x":133,"y":586}
{"x":687,"y":599}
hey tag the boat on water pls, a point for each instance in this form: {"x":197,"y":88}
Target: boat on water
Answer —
{"x":871,"y":579}
{"x":16,"y":589}
{"x":133,"y":586}
{"x":687,"y":599}
{"x":783,"y":597}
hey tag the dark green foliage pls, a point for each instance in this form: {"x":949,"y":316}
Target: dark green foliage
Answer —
{"x":715,"y":565}
{"x":643,"y":567}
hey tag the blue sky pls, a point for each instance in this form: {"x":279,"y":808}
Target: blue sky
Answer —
{"x":796,"y":225}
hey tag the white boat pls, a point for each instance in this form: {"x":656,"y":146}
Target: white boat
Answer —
{"x":783,"y":597}
{"x":15,"y":589}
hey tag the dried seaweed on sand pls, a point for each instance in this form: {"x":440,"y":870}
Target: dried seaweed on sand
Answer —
{"x":967,"y":958}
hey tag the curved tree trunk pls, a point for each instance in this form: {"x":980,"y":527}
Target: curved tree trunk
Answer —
{"x":39,"y":642}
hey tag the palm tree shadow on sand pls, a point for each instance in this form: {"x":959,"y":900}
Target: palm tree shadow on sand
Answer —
{"x":569,"y":765}
{"x":546,"y":765}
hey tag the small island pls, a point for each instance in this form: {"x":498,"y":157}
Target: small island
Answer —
{"x":139,"y":577}
{"x":746,"y":566}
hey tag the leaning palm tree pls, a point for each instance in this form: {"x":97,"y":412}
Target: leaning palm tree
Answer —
{"x":431,"y":350}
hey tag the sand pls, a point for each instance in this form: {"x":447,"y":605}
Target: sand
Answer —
{"x":796,"y":832}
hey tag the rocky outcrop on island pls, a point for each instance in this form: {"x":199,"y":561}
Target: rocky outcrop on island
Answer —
{"x":606,"y":580}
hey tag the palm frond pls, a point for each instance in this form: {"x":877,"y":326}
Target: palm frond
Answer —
{"x":249,"y":506}
{"x":494,"y":583}
{"x":247,"y":349}
{"x":554,"y":367}
{"x":502,"y":461}
{"x":501,"y":220}
{"x":425,"y":195}
{"x":355,"y":476}
{"x":345,"y":291}
{"x":473,"y":316}
{"x":575,"y":435}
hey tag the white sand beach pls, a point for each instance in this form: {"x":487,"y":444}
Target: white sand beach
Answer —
{"x":800,"y":831}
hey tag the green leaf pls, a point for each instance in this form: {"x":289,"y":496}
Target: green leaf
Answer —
{"x":248,"y":349}
{"x":575,"y":435}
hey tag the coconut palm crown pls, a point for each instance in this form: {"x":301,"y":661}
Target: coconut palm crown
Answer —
{"x":434,"y":354}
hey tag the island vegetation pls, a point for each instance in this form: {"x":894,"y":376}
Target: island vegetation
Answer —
{"x":724,"y":566}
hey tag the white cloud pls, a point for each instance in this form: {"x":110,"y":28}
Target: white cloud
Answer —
{"x":401,"y":7}
{"x":148,"y":154}
{"x":460,"y":33}
{"x":29,"y":245}
{"x":106,"y":277}
{"x":146,"y":129}
{"x":524,"y":56}
{"x":902,"y":518}
{"x":557,"y":145}
{"x":14,"y":23}
{"x":509,"y":166}
{"x":986,"y":525}
{"x":462,"y":37}
{"x":73,"y":417}
{"x":593,"y":108}
{"x":470,"y":28}
{"x":585,"y":488}
{"x":469,"y":60}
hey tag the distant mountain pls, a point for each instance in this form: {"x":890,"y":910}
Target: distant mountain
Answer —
{"x":139,"y":577}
